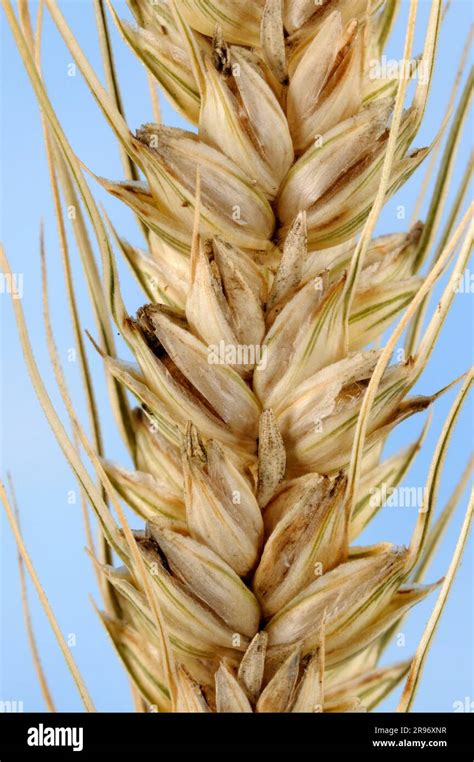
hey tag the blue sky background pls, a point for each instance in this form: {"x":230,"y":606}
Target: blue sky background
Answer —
{"x":52,"y":526}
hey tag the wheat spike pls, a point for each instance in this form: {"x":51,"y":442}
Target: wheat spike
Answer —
{"x":255,"y":450}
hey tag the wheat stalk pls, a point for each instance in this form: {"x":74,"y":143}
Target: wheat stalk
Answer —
{"x":262,"y":413}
